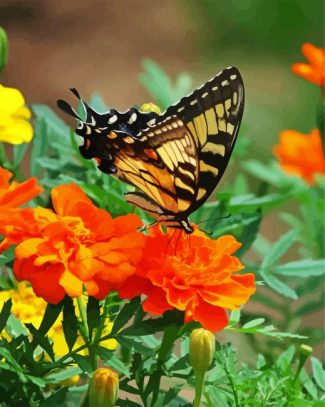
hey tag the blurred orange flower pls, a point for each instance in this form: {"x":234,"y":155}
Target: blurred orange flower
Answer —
{"x":314,"y":71}
{"x":12,"y":195}
{"x":73,"y":246}
{"x":198,"y":278}
{"x":15,"y":194}
{"x":301,"y":154}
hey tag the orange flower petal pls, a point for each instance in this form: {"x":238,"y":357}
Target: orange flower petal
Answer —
{"x":65,"y":197}
{"x":211,"y":317}
{"x":71,"y":284}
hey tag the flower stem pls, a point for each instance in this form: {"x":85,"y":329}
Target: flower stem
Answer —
{"x":199,"y":385}
{"x":83,"y":316}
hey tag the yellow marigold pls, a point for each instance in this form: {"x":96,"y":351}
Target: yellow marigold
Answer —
{"x":14,"y":115}
{"x":29,"y":308}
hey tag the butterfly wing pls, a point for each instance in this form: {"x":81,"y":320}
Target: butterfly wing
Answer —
{"x":212,"y":115}
{"x":162,"y":162}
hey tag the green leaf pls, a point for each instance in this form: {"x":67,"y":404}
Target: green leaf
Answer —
{"x":70,"y":322}
{"x":93,"y":315}
{"x":5,"y":314}
{"x":254,"y":323}
{"x":125,"y":314}
{"x":63,"y":374}
{"x":285,"y":359}
{"x":278,"y":285}
{"x":279,"y":249}
{"x":3,"y":48}
{"x":135,"y":344}
{"x":83,"y":363}
{"x":40,"y":339}
{"x":318,"y":372}
{"x":50,"y":316}
{"x":118,"y":365}
{"x":234,"y":317}
{"x":302,"y":268}
{"x":19,"y":152}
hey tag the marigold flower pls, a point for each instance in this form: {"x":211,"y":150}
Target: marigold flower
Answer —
{"x":314,"y":71}
{"x":301,"y":154}
{"x":15,"y":127}
{"x":14,"y":194}
{"x":198,"y":278}
{"x":77,"y":245}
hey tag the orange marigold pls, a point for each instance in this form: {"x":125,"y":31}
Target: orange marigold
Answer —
{"x":314,"y":71}
{"x":15,"y":194}
{"x":198,"y":278}
{"x":73,"y":246}
{"x":301,"y":154}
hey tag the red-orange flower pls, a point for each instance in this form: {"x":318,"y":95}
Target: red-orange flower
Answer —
{"x":314,"y":71}
{"x":12,"y":195}
{"x":15,"y":194}
{"x":301,"y":154}
{"x":198,"y":278}
{"x":75,"y":245}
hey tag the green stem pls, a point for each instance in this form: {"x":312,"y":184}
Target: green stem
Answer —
{"x":83,"y":316}
{"x":102,"y":321}
{"x":199,"y":385}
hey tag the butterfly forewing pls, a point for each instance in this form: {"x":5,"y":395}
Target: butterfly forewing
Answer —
{"x":213,"y":115}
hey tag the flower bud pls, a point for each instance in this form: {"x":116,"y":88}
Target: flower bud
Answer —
{"x":103,"y":388}
{"x":202,"y":347}
{"x":150,"y":107}
{"x":3,"y":48}
{"x":305,"y":350}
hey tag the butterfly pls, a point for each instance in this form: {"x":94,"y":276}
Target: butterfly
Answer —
{"x":174,"y":159}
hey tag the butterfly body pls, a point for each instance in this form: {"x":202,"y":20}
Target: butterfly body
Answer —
{"x":175,"y":159}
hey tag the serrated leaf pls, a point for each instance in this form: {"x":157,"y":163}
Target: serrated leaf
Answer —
{"x":84,"y":363}
{"x":279,"y":249}
{"x":254,"y":323}
{"x":302,"y":268}
{"x":125,"y":314}
{"x":318,"y":372}
{"x":63,"y":374}
{"x":5,"y":314}
{"x":40,"y":339}
{"x":50,"y":316}
{"x":69,"y":323}
{"x":118,"y":365}
{"x":278,"y":285}
{"x":93,"y":315}
{"x":132,"y":343}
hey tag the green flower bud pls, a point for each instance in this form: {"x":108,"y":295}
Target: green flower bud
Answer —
{"x":305,"y":350}
{"x":103,"y":388}
{"x":3,"y":48}
{"x":150,"y":107}
{"x":202,"y":348}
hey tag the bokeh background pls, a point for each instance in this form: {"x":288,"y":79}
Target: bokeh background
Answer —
{"x":100,"y":46}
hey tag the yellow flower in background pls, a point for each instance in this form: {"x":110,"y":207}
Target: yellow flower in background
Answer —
{"x":29,"y":308}
{"x":14,"y":117}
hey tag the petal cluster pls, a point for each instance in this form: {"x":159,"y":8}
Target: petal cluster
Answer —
{"x":301,"y":154}
{"x":314,"y":70}
{"x":74,"y":246}
{"x":197,"y":277}
{"x":14,"y":117}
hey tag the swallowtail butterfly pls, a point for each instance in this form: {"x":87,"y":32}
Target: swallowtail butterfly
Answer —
{"x":174,"y":159}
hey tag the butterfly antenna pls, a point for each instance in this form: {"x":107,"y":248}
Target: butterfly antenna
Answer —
{"x":63,"y":105}
{"x":147,"y":227}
